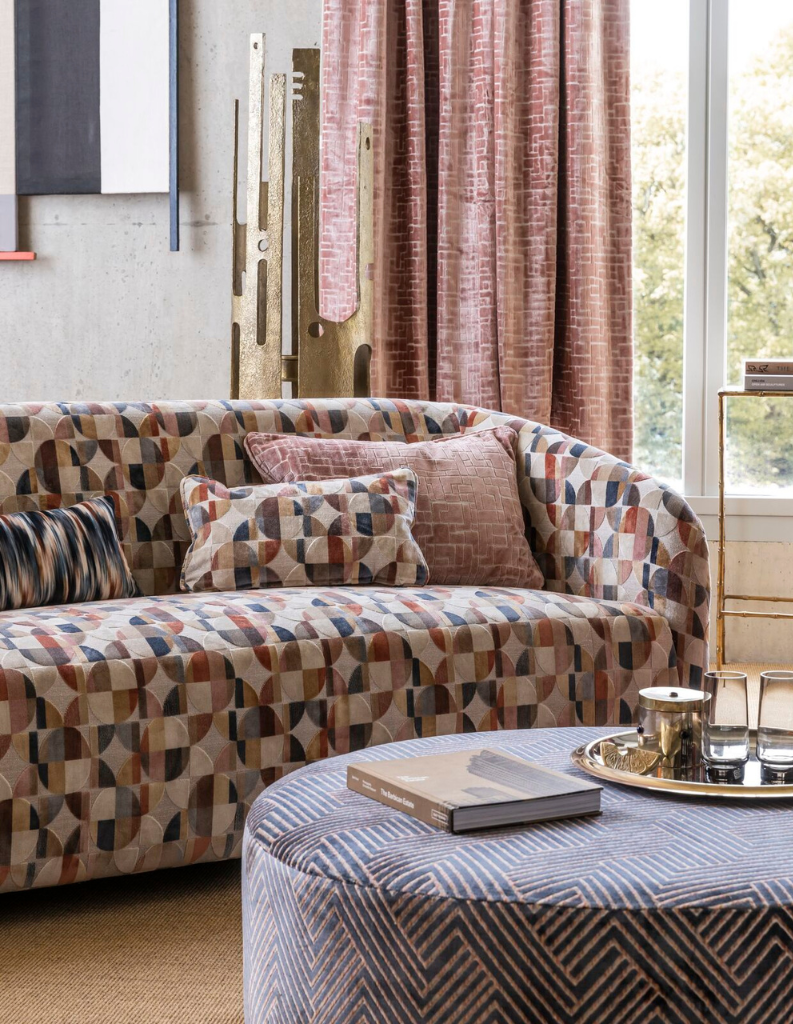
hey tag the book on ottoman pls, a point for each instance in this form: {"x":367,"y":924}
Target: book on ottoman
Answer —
{"x":471,"y":789}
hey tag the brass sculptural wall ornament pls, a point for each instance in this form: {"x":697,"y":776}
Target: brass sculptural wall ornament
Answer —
{"x":328,"y":359}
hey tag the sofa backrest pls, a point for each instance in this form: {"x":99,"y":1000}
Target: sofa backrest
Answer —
{"x":57,"y":453}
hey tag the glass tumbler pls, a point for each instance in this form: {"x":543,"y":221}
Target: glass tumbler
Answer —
{"x":725,"y":738}
{"x":775,"y":720}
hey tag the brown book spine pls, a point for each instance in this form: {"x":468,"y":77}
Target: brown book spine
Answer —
{"x":431,"y":812}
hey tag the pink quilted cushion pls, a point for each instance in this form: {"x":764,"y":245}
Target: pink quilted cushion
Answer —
{"x":469,"y":519}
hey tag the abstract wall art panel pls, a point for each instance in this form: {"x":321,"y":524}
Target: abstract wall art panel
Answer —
{"x":8,"y":182}
{"x":57,"y":97}
{"x":133,"y":107}
{"x":92,"y":96}
{"x":8,"y":223}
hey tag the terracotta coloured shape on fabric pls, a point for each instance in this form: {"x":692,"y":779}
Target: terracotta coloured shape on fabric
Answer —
{"x":469,"y":518}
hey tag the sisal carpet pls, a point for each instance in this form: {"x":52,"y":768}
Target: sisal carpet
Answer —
{"x":160,"y":948}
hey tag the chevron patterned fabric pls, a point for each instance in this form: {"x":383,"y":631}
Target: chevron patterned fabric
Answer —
{"x":660,"y":911}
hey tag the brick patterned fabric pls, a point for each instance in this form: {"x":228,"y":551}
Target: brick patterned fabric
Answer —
{"x":469,"y":519}
{"x":327,"y":533}
{"x":662,"y":910}
{"x":502,"y":202}
{"x":135,"y":734}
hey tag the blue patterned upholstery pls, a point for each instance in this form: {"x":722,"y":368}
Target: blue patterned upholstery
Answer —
{"x":660,"y":911}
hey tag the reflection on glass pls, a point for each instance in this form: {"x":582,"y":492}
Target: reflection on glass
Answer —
{"x":775,"y":720}
{"x":760,"y":285}
{"x":659,"y":73}
{"x":726,"y":730}
{"x":772,"y":776}
{"x":725,"y":774}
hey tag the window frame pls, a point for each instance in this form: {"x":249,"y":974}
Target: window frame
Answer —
{"x":756,"y":517}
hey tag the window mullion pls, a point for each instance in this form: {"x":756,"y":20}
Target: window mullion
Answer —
{"x":717,"y":234}
{"x":695,"y":322}
{"x":705,"y":346}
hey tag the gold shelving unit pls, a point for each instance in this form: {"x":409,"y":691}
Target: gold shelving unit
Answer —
{"x":722,"y":611}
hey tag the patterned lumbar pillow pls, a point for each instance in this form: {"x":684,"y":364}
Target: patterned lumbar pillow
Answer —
{"x":62,"y":556}
{"x":327,"y":533}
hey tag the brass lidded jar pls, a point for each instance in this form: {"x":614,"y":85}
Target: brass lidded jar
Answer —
{"x":670,"y":722}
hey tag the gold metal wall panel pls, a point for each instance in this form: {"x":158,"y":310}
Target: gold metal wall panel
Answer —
{"x":258,"y":244}
{"x":333,"y":358}
{"x":328,"y":359}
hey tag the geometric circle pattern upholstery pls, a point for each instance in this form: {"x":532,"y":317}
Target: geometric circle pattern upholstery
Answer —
{"x":321,"y":533}
{"x":598,"y":527}
{"x":136,"y":734}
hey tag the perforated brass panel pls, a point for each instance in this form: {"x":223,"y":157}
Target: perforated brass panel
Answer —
{"x":258,"y":245}
{"x":333,"y":358}
{"x":329,"y":359}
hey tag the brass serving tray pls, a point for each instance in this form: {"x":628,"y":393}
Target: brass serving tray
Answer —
{"x":753,"y":783}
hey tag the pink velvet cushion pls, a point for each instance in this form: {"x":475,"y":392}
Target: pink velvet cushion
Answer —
{"x":469,"y":519}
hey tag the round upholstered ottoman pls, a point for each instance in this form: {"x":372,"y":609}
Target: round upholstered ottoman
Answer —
{"x":659,"y":910}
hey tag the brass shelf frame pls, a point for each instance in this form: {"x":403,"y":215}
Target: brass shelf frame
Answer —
{"x":722,"y":612}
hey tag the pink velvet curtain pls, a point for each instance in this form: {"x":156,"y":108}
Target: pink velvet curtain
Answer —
{"x":502,"y":202}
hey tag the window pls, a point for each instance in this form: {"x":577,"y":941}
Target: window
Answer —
{"x":760,"y":237}
{"x":659,"y":78}
{"x":712,"y":148}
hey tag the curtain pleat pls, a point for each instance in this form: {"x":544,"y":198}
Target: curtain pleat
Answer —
{"x":502,"y":202}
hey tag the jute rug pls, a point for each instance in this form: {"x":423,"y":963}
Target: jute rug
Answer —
{"x":160,"y":948}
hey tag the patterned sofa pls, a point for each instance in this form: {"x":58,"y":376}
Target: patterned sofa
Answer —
{"x":136,"y":734}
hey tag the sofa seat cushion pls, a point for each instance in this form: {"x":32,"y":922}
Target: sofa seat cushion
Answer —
{"x":442,"y":657}
{"x":136,"y":734}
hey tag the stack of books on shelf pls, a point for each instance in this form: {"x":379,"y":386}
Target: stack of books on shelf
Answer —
{"x":768,"y":374}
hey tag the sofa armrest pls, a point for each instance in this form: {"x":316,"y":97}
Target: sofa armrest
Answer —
{"x":601,"y":528}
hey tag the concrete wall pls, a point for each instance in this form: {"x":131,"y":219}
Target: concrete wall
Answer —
{"x":107,"y":311}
